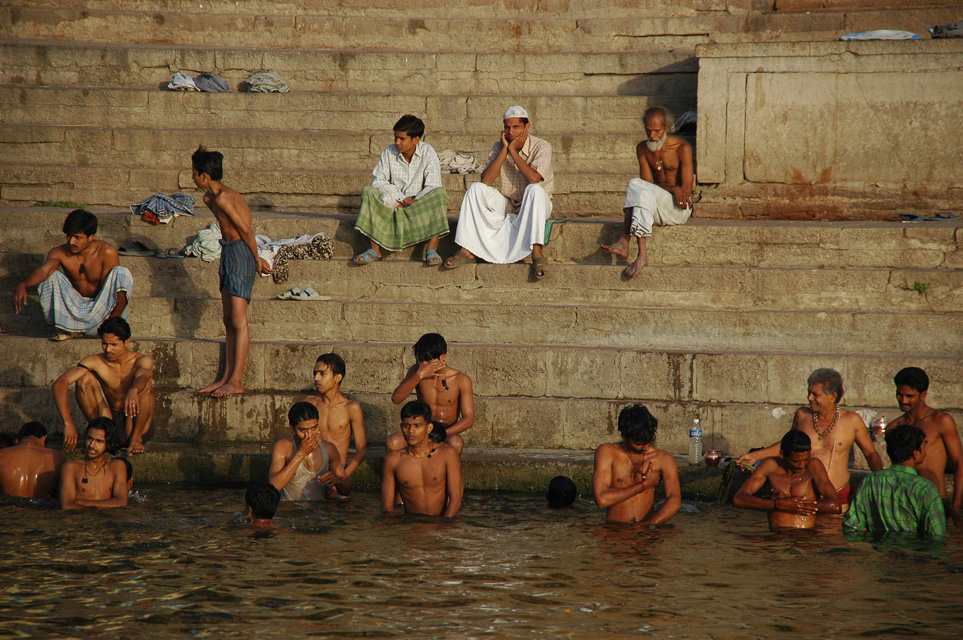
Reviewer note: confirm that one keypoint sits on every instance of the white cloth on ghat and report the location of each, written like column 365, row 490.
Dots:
column 489, row 233
column 206, row 245
column 651, row 204
column 65, row 308
column 268, row 249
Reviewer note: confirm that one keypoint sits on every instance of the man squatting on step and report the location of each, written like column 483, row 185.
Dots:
column 662, row 194
column 81, row 283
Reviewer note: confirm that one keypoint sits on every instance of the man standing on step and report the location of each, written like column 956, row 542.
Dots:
column 239, row 264
column 81, row 283
column 406, row 203
column 505, row 225
column 662, row 194
column 942, row 438
column 832, row 431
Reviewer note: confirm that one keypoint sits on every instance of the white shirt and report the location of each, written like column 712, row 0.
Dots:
column 397, row 179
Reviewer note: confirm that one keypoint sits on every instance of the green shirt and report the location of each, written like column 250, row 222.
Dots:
column 897, row 499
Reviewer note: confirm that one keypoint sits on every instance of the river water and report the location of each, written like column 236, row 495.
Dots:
column 183, row 565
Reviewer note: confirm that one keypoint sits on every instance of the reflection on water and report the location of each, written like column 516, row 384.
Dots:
column 183, row 565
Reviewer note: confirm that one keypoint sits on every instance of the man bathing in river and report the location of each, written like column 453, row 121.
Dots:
column 662, row 194
column 307, row 467
column 30, row 469
column 799, row 486
column 97, row 480
column 447, row 391
column 832, row 431
column 425, row 474
column 627, row 473
column 942, row 438
column 116, row 384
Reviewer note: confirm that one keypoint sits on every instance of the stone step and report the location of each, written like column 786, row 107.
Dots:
column 505, row 372
column 563, row 323
column 753, row 244
column 160, row 109
column 327, row 71
column 690, row 287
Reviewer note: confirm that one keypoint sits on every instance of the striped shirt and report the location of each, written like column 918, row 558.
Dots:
column 537, row 153
column 398, row 179
column 897, row 499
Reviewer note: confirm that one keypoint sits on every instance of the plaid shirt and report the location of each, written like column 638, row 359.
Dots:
column 398, row 179
column 538, row 154
column 897, row 499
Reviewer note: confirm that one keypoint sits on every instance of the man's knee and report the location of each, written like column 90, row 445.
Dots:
column 395, row 442
column 456, row 441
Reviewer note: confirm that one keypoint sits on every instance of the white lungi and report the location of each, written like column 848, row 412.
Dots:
column 651, row 204
column 66, row 309
column 487, row 231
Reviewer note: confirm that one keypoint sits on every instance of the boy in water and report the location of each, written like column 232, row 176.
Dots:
column 447, row 391
column 426, row 475
column 339, row 419
column 97, row 481
column 799, row 486
column 239, row 264
column 305, row 467
column 262, row 503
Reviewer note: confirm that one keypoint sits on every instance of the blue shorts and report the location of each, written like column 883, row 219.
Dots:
column 238, row 269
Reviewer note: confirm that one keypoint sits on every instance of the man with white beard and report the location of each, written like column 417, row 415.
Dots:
column 662, row 194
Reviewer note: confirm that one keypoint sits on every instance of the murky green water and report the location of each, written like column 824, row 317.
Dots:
column 180, row 566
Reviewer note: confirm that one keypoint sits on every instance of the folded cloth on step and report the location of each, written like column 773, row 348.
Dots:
column 164, row 207
column 881, row 34
column 454, row 162
column 182, row 82
column 206, row 245
column 951, row 30
column 265, row 82
column 306, row 247
column 211, row 83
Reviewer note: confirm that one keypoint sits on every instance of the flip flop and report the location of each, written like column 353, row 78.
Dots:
column 457, row 259
column 946, row 215
column 540, row 264
column 169, row 253
column 310, row 294
column 136, row 248
column 61, row 336
column 367, row 257
column 431, row 257
column 290, row 293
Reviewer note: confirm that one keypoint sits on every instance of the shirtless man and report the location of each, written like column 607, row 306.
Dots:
column 662, row 194
column 116, row 384
column 97, row 481
column 30, row 469
column 81, row 281
column 627, row 473
column 832, row 430
column 447, row 391
column 305, row 467
column 942, row 438
column 799, row 486
column 239, row 264
column 425, row 474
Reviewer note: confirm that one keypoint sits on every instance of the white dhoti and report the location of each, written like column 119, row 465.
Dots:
column 651, row 204
column 66, row 309
column 487, row 231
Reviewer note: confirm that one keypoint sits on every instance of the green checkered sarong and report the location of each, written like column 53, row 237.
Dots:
column 395, row 229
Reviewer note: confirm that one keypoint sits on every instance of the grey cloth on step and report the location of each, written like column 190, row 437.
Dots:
column 951, row 30
column 265, row 82
column 211, row 83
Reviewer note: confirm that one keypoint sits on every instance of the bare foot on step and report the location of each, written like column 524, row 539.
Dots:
column 228, row 389
column 619, row 249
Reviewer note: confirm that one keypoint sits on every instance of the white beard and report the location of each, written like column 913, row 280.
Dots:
column 656, row 145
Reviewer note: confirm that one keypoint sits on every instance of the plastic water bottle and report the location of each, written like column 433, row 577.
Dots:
column 695, row 443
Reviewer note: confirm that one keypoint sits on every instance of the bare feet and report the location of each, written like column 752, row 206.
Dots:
column 206, row 391
column 228, row 389
column 620, row 249
column 635, row 268
column 135, row 447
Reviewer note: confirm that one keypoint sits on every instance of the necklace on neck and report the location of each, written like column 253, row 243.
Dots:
column 823, row 434
column 96, row 473
column 432, row 451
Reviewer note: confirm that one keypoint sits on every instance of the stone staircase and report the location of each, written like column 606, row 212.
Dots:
column 725, row 324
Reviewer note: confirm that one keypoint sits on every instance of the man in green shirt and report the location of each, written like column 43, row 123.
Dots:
column 898, row 499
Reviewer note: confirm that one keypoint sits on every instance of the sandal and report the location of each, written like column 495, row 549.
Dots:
column 457, row 259
column 136, row 248
column 367, row 257
column 431, row 257
column 541, row 267
column 60, row 336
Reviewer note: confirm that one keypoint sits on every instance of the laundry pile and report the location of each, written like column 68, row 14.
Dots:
column 259, row 82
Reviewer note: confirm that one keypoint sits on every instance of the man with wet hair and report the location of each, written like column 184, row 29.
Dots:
column 262, row 503
column 662, row 194
column 81, row 283
column 307, row 467
column 117, row 384
column 832, row 431
column 898, row 499
column 240, row 263
column 426, row 475
column 97, row 480
column 29, row 469
column 561, row 493
column 798, row 486
column 942, row 437
column 406, row 202
column 506, row 224
column 446, row 390
column 627, row 472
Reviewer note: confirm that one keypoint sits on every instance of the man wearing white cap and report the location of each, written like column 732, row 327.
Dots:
column 505, row 225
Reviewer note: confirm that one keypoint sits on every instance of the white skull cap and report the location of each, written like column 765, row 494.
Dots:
column 515, row 112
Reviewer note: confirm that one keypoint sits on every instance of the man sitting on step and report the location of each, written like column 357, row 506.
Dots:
column 505, row 225
column 81, row 283
column 662, row 194
column 406, row 203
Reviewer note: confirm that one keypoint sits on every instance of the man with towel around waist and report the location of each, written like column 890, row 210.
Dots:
column 505, row 225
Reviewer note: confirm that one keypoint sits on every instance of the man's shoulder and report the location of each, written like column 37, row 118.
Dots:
column 71, row 467
column 447, row 452
column 285, row 445
column 678, row 142
column 852, row 419
column 104, row 248
column 609, row 449
column 539, row 143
